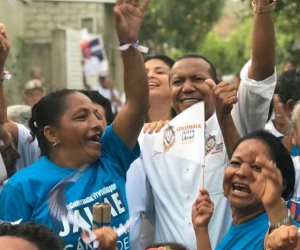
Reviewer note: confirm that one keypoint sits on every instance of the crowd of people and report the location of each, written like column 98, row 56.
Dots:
column 67, row 150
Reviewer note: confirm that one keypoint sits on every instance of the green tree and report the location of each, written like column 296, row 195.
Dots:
column 172, row 25
column 287, row 19
column 231, row 53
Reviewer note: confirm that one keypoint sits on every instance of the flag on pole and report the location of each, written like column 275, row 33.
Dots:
column 183, row 136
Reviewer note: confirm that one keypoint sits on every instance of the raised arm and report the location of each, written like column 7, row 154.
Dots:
column 263, row 42
column 258, row 78
column 4, row 50
column 130, row 119
column 225, row 96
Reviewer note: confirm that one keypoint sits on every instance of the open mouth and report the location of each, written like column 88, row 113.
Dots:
column 240, row 188
column 191, row 100
column 95, row 138
column 154, row 84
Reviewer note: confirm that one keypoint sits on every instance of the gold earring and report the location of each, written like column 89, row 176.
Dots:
column 54, row 144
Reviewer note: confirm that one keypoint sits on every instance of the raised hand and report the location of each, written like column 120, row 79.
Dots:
column 225, row 96
column 267, row 185
column 202, row 210
column 106, row 236
column 283, row 238
column 4, row 46
column 154, row 126
column 129, row 19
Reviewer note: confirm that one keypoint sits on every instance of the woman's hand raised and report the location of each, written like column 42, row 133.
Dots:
column 129, row 19
column 202, row 210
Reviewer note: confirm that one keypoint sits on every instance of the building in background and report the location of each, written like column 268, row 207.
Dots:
column 51, row 30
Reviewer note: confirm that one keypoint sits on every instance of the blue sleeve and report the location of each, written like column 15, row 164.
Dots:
column 114, row 149
column 13, row 205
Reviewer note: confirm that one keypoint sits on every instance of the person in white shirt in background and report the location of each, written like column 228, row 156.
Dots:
column 288, row 89
column 174, row 181
column 18, row 135
column 141, row 230
column 106, row 89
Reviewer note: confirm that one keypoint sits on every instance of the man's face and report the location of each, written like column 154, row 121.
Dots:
column 8, row 151
column 33, row 96
column 106, row 83
column 86, row 52
column 188, row 85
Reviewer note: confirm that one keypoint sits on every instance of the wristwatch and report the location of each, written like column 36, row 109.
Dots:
column 263, row 9
column 286, row 221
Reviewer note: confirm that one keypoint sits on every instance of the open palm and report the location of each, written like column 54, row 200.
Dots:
column 267, row 187
column 129, row 19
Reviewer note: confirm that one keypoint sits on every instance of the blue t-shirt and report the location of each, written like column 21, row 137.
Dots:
column 295, row 149
column 25, row 196
column 249, row 235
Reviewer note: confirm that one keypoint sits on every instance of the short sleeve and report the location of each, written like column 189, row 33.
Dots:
column 116, row 150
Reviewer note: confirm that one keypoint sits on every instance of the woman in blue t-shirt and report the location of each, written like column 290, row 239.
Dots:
column 259, row 179
column 71, row 137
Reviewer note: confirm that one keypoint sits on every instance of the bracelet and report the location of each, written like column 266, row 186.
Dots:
column 136, row 45
column 286, row 220
column 263, row 9
column 6, row 75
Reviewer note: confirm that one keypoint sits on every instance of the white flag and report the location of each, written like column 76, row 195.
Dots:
column 183, row 136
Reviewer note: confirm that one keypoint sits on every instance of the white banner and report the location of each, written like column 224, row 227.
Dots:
column 183, row 136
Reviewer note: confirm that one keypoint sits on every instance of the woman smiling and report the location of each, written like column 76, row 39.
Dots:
column 68, row 128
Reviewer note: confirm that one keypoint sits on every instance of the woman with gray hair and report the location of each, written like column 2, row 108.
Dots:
column 19, row 114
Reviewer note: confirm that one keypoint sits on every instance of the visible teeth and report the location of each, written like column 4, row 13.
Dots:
column 189, row 100
column 95, row 138
column 153, row 84
column 241, row 188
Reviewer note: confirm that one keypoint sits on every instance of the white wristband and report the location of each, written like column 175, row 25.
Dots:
column 136, row 45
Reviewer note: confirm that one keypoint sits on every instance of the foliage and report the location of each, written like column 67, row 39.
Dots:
column 287, row 21
column 172, row 25
column 16, row 64
column 231, row 53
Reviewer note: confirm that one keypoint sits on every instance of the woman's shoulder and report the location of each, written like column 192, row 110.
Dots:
column 42, row 171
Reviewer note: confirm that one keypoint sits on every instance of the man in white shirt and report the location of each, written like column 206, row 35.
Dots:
column 106, row 89
column 175, row 181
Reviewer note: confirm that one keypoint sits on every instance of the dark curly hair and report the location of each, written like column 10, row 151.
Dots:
column 39, row 235
column 169, row 245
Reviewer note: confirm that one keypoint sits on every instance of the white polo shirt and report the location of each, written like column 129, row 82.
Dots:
column 175, row 182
